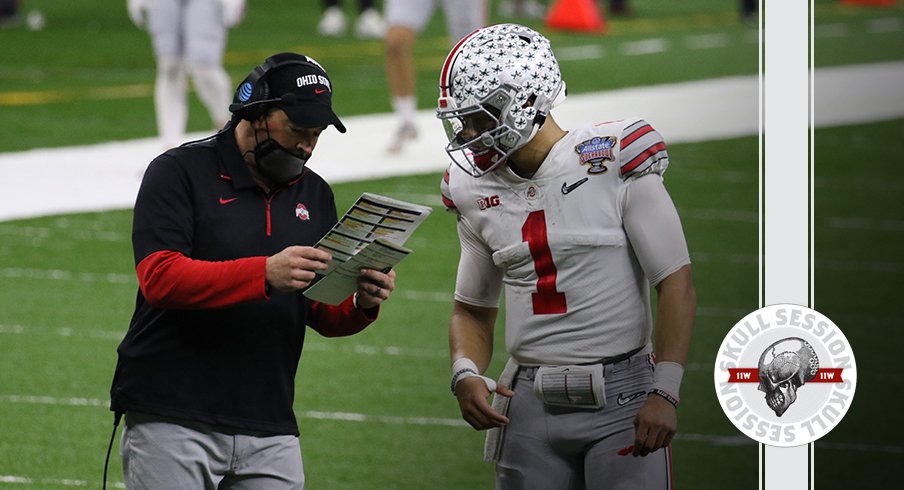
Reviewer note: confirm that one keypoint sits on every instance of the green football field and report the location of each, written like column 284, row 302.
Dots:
column 374, row 409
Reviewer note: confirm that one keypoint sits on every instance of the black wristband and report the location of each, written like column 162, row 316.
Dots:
column 671, row 399
column 458, row 375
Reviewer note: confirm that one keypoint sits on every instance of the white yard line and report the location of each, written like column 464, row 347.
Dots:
column 54, row 482
column 713, row 439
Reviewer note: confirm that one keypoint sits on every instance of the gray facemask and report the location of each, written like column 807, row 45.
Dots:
column 277, row 164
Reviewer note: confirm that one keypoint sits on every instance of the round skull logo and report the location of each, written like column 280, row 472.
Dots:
column 784, row 367
column 785, row 375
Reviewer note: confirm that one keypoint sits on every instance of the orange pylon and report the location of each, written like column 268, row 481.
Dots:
column 576, row 15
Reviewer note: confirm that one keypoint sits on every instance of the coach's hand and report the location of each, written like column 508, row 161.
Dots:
column 294, row 267
column 654, row 425
column 472, row 394
column 374, row 287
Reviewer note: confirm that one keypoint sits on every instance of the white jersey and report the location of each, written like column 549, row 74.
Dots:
column 575, row 290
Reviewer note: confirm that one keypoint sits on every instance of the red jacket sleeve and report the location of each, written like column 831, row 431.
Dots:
column 340, row 320
column 168, row 279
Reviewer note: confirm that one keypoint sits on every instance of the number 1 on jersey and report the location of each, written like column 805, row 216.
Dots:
column 547, row 300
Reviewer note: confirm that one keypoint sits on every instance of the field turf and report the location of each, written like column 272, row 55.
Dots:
column 374, row 409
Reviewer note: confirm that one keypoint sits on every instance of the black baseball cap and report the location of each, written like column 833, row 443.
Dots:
column 306, row 93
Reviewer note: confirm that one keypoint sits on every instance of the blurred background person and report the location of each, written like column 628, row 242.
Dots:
column 406, row 20
column 370, row 24
column 532, row 9
column 748, row 10
column 189, row 39
column 619, row 7
column 9, row 13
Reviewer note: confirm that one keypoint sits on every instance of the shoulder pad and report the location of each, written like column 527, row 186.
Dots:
column 641, row 150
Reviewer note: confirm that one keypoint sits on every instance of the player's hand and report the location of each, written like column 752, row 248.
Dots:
column 294, row 267
column 472, row 394
column 654, row 425
column 137, row 12
column 374, row 287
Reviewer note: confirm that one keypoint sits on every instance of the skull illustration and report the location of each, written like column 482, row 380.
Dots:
column 784, row 367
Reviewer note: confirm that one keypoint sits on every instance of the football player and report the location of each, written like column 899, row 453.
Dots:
column 406, row 19
column 577, row 227
column 189, row 38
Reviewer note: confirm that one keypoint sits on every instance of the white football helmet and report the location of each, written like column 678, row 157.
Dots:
column 496, row 88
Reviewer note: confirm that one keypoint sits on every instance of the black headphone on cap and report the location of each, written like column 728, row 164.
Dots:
column 252, row 98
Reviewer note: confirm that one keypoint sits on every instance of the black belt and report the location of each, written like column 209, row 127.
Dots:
column 619, row 358
column 604, row 361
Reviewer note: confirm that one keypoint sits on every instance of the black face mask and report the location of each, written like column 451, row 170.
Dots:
column 277, row 164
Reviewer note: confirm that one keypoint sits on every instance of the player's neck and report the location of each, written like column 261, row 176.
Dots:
column 527, row 160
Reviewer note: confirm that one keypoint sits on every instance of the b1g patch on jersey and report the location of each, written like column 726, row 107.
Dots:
column 302, row 213
column 785, row 375
column 485, row 203
column 595, row 152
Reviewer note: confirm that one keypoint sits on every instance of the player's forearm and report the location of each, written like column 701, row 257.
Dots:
column 677, row 307
column 471, row 334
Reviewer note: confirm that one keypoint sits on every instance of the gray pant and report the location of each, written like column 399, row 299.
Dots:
column 189, row 29
column 161, row 453
column 563, row 448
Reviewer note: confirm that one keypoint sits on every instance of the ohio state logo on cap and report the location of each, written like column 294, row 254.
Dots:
column 785, row 375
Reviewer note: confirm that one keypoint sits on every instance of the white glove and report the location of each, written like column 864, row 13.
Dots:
column 233, row 12
column 138, row 12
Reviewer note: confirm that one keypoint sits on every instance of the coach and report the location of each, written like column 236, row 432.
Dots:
column 222, row 234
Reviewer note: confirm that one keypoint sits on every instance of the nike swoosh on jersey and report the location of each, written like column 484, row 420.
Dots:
column 227, row 201
column 623, row 400
column 320, row 91
column 568, row 188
